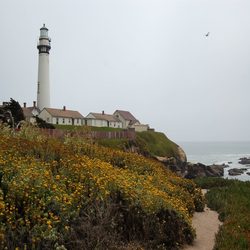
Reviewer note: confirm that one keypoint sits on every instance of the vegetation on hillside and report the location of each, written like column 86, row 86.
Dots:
column 231, row 198
column 157, row 143
column 68, row 194
column 90, row 128
column 148, row 143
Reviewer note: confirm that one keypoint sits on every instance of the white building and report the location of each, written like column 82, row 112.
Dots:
column 140, row 127
column 126, row 118
column 62, row 116
column 103, row 120
column 30, row 113
column 129, row 121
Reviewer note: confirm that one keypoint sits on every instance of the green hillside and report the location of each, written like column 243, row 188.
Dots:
column 157, row 143
column 147, row 143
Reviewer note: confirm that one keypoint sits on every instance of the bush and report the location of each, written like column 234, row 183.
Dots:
column 107, row 224
column 231, row 198
column 53, row 191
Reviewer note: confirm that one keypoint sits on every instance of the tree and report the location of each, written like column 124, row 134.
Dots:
column 43, row 124
column 13, row 112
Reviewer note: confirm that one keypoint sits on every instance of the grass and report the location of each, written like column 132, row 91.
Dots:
column 157, row 143
column 105, row 129
column 67, row 127
column 148, row 143
column 74, row 127
column 114, row 143
column 231, row 198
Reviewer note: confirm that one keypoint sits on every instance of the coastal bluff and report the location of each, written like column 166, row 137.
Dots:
column 160, row 147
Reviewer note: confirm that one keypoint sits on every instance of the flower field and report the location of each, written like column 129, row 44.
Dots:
column 69, row 194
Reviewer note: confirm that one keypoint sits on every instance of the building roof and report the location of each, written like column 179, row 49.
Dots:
column 27, row 112
column 126, row 115
column 106, row 117
column 64, row 113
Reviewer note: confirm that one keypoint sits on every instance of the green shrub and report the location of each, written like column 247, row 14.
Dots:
column 231, row 198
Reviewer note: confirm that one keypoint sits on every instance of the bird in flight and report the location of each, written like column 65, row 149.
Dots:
column 207, row 34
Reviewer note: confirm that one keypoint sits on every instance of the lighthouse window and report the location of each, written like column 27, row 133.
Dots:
column 43, row 32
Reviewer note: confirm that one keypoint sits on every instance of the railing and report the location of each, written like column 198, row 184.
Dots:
column 123, row 134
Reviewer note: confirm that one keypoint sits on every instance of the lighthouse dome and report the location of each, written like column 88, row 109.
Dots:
column 44, row 28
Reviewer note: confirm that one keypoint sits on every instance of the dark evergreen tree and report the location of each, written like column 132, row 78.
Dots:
column 43, row 124
column 11, row 113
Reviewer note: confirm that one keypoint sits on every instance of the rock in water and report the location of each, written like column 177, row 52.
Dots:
column 191, row 170
column 244, row 160
column 236, row 171
column 201, row 170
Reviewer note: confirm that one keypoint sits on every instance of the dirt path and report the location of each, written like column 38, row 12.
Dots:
column 206, row 225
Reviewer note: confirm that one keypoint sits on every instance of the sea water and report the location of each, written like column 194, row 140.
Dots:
column 210, row 153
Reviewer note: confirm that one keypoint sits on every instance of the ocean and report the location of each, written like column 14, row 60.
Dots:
column 210, row 153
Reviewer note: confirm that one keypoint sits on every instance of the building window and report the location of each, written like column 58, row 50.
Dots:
column 63, row 120
column 57, row 120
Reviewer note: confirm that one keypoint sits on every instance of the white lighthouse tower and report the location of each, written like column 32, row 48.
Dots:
column 43, row 85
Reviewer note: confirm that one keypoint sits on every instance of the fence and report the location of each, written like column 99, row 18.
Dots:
column 123, row 134
column 128, row 134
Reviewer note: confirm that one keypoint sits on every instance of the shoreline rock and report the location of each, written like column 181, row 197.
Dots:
column 244, row 161
column 201, row 170
column 192, row 170
column 236, row 171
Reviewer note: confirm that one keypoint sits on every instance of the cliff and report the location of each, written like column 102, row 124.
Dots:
column 157, row 144
column 148, row 143
column 173, row 156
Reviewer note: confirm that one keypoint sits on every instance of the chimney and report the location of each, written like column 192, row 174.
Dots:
column 24, row 104
column 103, row 112
column 64, row 108
column 34, row 104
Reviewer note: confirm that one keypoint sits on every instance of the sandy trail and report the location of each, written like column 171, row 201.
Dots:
column 206, row 225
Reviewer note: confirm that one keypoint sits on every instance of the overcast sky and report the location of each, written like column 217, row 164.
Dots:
column 150, row 57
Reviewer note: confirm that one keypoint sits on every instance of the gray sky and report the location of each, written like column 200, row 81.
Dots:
column 150, row 57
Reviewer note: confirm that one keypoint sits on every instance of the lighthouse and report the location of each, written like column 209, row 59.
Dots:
column 43, row 84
